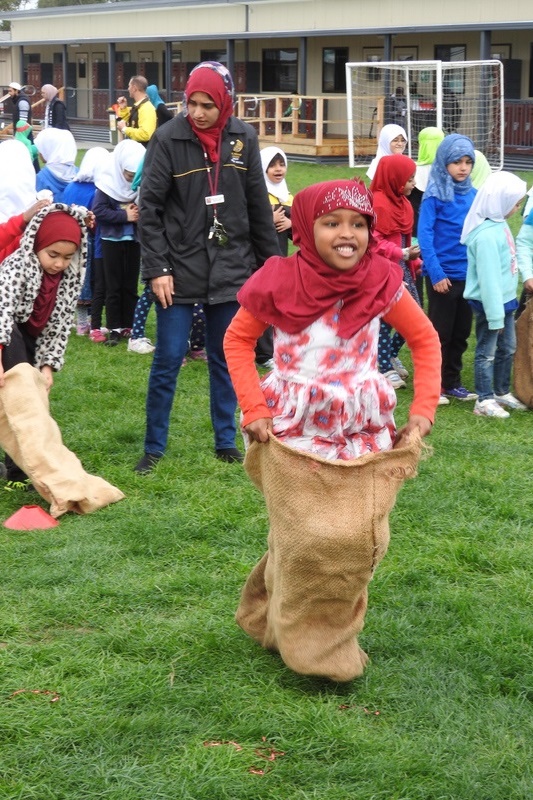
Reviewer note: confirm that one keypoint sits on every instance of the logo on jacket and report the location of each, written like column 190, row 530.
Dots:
column 236, row 153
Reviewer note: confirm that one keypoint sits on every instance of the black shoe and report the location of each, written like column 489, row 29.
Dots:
column 147, row 463
column 113, row 339
column 229, row 454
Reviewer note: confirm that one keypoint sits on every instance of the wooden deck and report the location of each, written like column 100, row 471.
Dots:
column 331, row 147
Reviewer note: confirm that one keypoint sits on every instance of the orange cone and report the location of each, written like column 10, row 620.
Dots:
column 30, row 518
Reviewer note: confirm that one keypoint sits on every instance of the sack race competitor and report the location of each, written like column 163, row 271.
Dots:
column 523, row 357
column 329, row 529
column 33, row 440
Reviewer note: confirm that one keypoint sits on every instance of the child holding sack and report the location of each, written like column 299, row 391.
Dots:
column 39, row 285
column 321, row 426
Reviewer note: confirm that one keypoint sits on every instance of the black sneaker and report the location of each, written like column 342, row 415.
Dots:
column 229, row 454
column 113, row 339
column 147, row 463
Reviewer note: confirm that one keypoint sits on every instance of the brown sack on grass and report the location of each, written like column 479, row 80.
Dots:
column 33, row 440
column 523, row 357
column 329, row 529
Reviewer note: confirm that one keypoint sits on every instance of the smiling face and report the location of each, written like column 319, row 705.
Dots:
column 398, row 145
column 56, row 257
column 202, row 110
column 460, row 169
column 341, row 238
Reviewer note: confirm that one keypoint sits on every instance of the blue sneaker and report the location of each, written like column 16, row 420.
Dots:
column 459, row 393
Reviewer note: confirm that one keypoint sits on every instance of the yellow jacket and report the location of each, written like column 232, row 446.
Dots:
column 143, row 118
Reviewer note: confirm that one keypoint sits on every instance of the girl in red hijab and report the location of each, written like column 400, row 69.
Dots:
column 325, row 394
column 39, row 285
column 391, row 186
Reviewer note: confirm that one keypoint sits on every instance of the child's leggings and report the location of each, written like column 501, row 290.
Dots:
column 197, row 337
column 141, row 314
column 389, row 342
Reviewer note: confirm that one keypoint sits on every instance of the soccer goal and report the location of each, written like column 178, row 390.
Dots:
column 458, row 96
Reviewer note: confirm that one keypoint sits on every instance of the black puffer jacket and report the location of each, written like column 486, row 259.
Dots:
column 175, row 220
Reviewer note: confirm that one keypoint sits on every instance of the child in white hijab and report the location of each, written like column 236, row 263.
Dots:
column 117, row 213
column 491, row 288
column 392, row 140
column 57, row 148
column 274, row 163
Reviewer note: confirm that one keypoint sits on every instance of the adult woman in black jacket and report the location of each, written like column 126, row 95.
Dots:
column 205, row 225
column 55, row 112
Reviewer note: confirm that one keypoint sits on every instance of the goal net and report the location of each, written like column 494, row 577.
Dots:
column 458, row 96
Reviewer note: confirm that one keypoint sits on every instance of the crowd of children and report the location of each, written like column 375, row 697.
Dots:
column 328, row 320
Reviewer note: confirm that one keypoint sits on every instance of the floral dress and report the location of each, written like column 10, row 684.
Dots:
column 326, row 394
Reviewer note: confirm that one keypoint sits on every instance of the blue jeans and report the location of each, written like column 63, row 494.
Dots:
column 173, row 329
column 494, row 356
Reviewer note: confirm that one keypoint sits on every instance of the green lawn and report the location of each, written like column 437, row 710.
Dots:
column 126, row 618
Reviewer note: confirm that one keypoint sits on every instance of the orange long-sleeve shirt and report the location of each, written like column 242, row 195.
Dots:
column 405, row 316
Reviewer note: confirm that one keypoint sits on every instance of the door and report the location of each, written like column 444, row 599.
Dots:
column 82, row 85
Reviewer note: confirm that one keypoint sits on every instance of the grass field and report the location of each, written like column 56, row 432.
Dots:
column 123, row 675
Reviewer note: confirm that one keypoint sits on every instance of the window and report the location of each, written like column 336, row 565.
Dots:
column 214, row 55
column 280, row 70
column 450, row 52
column 334, row 60
column 453, row 81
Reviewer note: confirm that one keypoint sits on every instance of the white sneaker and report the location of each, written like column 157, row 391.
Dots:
column 510, row 401
column 397, row 365
column 443, row 400
column 142, row 346
column 490, row 408
column 394, row 379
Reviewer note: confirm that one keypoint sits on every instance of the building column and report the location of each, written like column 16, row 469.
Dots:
column 111, row 50
column 485, row 45
column 302, row 66
column 167, row 78
column 230, row 56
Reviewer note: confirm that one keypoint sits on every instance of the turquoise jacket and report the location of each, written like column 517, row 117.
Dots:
column 492, row 273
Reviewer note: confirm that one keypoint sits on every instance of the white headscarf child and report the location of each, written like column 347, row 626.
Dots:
column 386, row 135
column 95, row 160
column 17, row 185
column 58, row 148
column 279, row 190
column 127, row 155
column 496, row 198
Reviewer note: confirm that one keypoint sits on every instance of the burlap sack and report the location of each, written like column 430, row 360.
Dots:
column 33, row 440
column 329, row 529
column 523, row 357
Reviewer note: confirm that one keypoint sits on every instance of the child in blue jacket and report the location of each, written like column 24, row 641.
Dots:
column 447, row 200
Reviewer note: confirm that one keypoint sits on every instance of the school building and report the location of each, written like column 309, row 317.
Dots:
column 274, row 49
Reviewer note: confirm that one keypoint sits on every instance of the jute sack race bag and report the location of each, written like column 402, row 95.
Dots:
column 329, row 529
column 33, row 440
column 523, row 357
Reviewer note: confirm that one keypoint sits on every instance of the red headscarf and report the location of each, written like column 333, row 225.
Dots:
column 293, row 292
column 57, row 226
column 213, row 79
column 393, row 210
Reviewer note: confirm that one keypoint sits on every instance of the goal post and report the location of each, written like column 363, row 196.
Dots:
column 458, row 96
